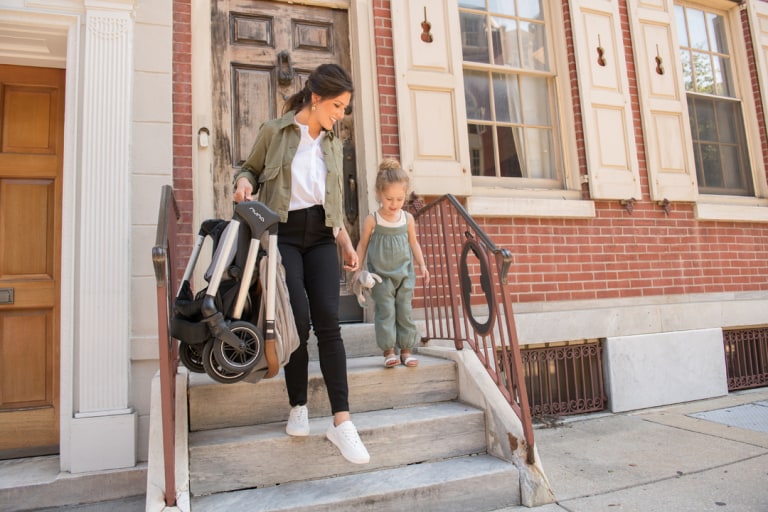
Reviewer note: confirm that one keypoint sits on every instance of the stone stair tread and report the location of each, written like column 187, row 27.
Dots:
column 477, row 483
column 365, row 421
column 214, row 405
column 254, row 456
column 354, row 364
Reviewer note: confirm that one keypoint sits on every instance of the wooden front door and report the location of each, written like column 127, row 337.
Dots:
column 263, row 51
column 31, row 140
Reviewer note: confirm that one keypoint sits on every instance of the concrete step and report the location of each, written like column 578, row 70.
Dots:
column 371, row 386
column 478, row 483
column 263, row 455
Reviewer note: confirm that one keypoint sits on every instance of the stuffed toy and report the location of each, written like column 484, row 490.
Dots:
column 361, row 286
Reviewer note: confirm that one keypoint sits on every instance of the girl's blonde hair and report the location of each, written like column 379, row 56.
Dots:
column 390, row 172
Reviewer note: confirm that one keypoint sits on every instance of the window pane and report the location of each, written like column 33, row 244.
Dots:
column 705, row 120
column 541, row 162
column 685, row 60
column 530, row 9
column 481, row 150
column 506, row 49
column 534, row 47
column 506, row 95
column 474, row 45
column 724, row 85
column 511, row 146
column 729, row 157
column 718, row 41
column 697, row 29
column 477, row 95
column 472, row 4
column 682, row 28
column 725, row 122
column 710, row 156
column 702, row 72
column 536, row 105
column 504, row 6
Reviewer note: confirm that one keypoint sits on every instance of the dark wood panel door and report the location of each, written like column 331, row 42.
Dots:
column 262, row 53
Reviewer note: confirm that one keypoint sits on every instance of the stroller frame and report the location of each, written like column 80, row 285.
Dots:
column 232, row 347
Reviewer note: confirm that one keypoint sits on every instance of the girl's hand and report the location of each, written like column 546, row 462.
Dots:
column 243, row 190
column 424, row 274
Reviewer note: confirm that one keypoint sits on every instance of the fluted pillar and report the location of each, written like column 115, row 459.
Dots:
column 104, row 424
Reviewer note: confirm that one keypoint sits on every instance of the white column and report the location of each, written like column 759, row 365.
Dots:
column 104, row 425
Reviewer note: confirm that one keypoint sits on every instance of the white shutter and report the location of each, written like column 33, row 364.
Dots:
column 758, row 20
column 605, row 100
column 663, row 106
column 430, row 97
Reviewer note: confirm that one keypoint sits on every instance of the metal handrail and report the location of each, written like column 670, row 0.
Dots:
column 162, row 259
column 467, row 299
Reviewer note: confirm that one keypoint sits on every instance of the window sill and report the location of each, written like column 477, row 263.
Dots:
column 568, row 204
column 742, row 210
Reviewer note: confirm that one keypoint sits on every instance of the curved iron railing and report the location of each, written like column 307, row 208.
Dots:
column 163, row 259
column 467, row 299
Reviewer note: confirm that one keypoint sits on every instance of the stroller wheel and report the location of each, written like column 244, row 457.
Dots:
column 215, row 370
column 245, row 357
column 191, row 356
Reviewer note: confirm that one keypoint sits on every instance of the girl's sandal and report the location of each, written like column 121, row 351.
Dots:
column 390, row 360
column 408, row 360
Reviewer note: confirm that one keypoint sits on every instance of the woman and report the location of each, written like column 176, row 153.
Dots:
column 296, row 162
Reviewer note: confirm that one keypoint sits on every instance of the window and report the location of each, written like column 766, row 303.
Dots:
column 509, row 85
column 714, row 105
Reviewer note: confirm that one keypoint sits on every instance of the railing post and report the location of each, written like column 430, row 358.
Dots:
column 453, row 282
column 162, row 258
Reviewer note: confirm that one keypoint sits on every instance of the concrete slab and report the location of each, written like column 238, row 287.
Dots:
column 595, row 457
column 651, row 370
column 741, row 487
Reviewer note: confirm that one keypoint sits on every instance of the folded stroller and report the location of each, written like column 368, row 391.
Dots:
column 233, row 329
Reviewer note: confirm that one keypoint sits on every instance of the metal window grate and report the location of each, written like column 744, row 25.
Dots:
column 746, row 357
column 564, row 378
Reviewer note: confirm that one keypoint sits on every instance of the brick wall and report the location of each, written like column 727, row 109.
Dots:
column 182, row 130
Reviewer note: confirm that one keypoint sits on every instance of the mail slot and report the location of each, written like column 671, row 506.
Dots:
column 6, row 295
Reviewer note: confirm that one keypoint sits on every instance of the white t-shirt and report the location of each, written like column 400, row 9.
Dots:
column 308, row 172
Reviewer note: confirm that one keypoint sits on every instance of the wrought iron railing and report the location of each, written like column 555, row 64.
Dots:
column 746, row 357
column 564, row 378
column 467, row 299
column 163, row 260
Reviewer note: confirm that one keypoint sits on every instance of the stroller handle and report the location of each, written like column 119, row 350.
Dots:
column 258, row 217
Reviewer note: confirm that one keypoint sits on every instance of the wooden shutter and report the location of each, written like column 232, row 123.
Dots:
column 663, row 106
column 430, row 97
column 605, row 100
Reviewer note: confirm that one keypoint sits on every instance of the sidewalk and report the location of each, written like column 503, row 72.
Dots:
column 709, row 455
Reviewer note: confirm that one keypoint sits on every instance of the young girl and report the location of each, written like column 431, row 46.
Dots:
column 388, row 242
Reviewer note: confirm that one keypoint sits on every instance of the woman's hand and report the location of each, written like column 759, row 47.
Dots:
column 243, row 190
column 351, row 260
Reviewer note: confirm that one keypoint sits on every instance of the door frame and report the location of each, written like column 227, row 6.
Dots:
column 365, row 113
column 66, row 26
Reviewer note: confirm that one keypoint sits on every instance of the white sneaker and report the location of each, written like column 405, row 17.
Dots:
column 298, row 422
column 348, row 442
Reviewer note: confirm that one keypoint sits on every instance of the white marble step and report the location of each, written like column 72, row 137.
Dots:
column 263, row 455
column 477, row 483
column 371, row 386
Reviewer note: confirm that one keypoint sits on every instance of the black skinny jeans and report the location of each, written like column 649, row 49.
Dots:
column 309, row 255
